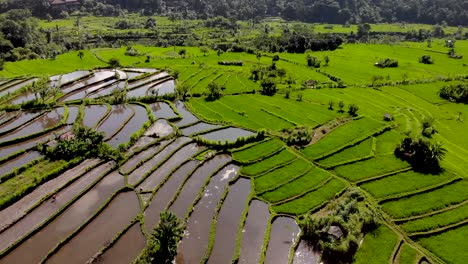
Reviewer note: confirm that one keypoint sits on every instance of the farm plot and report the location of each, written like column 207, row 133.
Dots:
column 360, row 151
column 282, row 157
column 93, row 114
column 257, row 151
column 198, row 128
column 133, row 125
column 311, row 180
column 407, row 255
column 230, row 134
column 377, row 246
column 428, row 201
column 405, row 182
column 342, row 136
column 311, row 200
column 116, row 119
column 18, row 162
column 284, row 233
column 280, row 176
column 373, row 167
column 162, row 110
column 449, row 245
column 438, row 220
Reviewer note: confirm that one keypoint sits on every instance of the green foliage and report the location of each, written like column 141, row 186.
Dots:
column 230, row 63
column 426, row 59
column 268, row 86
column 421, row 154
column 214, row 91
column 379, row 165
column 114, row 63
column 350, row 217
column 313, row 61
column 182, row 90
column 162, row 245
column 361, row 150
column 352, row 109
column 387, row 63
column 281, row 175
column 455, row 92
column 42, row 89
column 297, row 136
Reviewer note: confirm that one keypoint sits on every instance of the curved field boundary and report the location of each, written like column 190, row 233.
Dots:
column 378, row 177
column 18, row 170
column 345, row 162
column 45, row 131
column 62, row 122
column 262, row 158
column 8, row 120
column 321, row 184
column 29, row 121
column 54, row 216
column 85, row 223
column 126, row 169
column 266, row 239
column 402, row 220
column 155, row 167
column 209, row 130
column 396, row 252
column 438, row 230
column 277, row 147
column 271, row 163
column 279, row 166
column 419, row 191
column 374, row 133
column 280, row 117
column 123, row 124
column 33, row 203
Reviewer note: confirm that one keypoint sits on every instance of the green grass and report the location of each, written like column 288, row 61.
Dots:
column 404, row 182
column 372, row 167
column 387, row 142
column 361, row 150
column 281, row 175
column 257, row 151
column 18, row 185
column 268, row 163
column 312, row 199
column 341, row 136
column 450, row 245
column 408, row 255
column 428, row 201
column 377, row 246
column 438, row 220
column 300, row 185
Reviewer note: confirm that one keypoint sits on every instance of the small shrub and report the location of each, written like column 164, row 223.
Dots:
column 426, row 59
column 268, row 86
column 387, row 63
column 352, row 109
column 230, row 63
column 214, row 90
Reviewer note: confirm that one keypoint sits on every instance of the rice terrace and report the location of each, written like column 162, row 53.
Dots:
column 190, row 140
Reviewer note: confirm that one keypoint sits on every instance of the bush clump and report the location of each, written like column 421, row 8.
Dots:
column 426, row 59
column 387, row 63
column 231, row 63
column 339, row 227
column 423, row 155
column 298, row 136
column 455, row 93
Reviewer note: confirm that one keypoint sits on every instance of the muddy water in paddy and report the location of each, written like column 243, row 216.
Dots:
column 228, row 222
column 16, row 87
column 116, row 118
column 148, row 81
column 284, row 232
column 305, row 254
column 138, row 174
column 47, row 208
column 194, row 184
column 78, row 95
column 68, row 77
column 229, row 134
column 93, row 113
column 197, row 128
column 254, row 232
column 132, row 75
column 162, row 110
column 161, row 128
column 7, row 151
column 140, row 143
column 195, row 242
column 45, row 121
column 131, row 163
column 37, row 246
column 187, row 117
column 25, row 97
column 165, row 194
column 107, row 90
column 155, row 178
column 167, row 87
column 115, row 217
column 126, row 249
column 7, row 117
column 72, row 114
column 137, row 121
column 19, row 161
column 19, row 120
column 95, row 78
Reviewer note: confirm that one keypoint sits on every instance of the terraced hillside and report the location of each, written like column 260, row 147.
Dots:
column 227, row 167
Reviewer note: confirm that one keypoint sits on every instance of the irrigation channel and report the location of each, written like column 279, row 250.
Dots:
column 101, row 211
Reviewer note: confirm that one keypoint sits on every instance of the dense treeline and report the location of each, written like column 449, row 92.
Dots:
column 452, row 12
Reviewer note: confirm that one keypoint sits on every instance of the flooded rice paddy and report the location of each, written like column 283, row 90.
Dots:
column 284, row 233
column 230, row 134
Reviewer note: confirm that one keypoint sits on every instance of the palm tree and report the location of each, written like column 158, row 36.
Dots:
column 162, row 247
column 438, row 151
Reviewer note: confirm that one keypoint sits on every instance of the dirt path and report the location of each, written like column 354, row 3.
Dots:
column 17, row 210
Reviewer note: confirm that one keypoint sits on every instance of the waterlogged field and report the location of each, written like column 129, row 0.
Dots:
column 248, row 198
